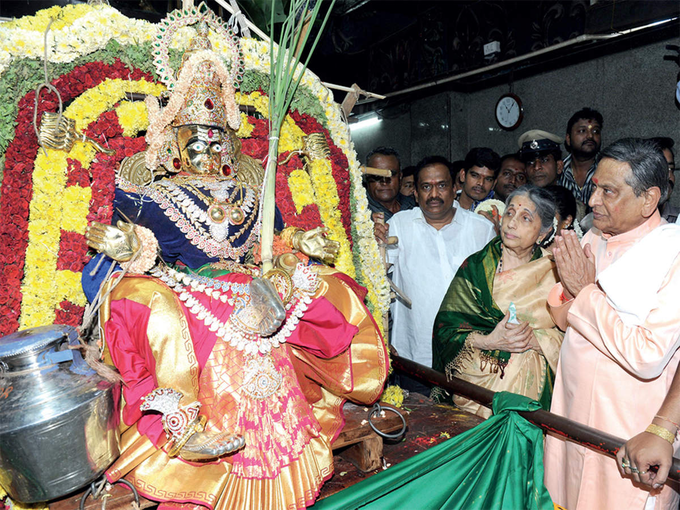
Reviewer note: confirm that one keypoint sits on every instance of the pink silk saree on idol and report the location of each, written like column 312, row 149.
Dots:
column 335, row 353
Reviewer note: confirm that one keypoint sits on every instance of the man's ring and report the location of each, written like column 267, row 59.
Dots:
column 625, row 463
column 635, row 471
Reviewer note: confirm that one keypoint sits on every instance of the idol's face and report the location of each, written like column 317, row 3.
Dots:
column 200, row 149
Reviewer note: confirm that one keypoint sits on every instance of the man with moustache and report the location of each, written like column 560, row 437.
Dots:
column 383, row 192
column 434, row 240
column 511, row 176
column 618, row 302
column 479, row 177
column 583, row 141
column 541, row 154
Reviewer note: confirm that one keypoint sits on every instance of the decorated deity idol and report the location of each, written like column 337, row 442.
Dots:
column 234, row 380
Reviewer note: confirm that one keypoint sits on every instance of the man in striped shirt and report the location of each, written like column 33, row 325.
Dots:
column 583, row 141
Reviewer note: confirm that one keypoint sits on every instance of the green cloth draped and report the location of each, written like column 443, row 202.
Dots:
column 469, row 306
column 497, row 464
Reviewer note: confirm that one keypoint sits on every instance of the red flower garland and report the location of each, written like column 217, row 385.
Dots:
column 257, row 146
column 17, row 186
column 339, row 165
column 17, row 191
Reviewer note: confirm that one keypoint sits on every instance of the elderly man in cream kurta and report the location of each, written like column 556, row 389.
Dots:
column 619, row 300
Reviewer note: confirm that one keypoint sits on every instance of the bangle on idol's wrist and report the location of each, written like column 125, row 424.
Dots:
column 145, row 257
column 295, row 239
column 289, row 234
column 196, row 426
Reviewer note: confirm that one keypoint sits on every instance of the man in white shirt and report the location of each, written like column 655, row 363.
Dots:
column 434, row 240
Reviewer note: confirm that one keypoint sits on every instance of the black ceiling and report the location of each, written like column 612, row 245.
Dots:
column 390, row 45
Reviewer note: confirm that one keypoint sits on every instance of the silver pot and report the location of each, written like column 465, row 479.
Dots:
column 58, row 425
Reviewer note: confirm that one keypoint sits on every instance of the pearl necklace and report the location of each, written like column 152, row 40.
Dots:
column 198, row 227
column 234, row 330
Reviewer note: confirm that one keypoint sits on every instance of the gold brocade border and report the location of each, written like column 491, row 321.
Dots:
column 297, row 486
column 167, row 312
column 371, row 375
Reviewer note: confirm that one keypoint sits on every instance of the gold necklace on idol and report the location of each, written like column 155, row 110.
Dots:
column 221, row 203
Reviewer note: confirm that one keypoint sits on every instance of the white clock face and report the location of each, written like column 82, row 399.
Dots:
column 508, row 112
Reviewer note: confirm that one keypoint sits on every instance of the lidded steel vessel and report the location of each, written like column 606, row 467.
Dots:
column 58, row 421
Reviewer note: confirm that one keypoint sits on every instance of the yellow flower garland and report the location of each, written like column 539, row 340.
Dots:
column 301, row 189
column 327, row 200
column 256, row 99
column 317, row 187
column 246, row 128
column 60, row 17
column 55, row 206
column 79, row 30
column 133, row 117
column 291, row 137
column 393, row 395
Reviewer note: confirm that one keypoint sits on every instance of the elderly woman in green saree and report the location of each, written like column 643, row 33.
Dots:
column 493, row 328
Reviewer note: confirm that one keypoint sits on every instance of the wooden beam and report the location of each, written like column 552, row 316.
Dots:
column 569, row 429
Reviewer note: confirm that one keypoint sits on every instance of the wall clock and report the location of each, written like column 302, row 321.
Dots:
column 509, row 112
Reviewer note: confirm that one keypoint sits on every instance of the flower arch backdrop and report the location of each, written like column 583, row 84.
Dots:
column 95, row 56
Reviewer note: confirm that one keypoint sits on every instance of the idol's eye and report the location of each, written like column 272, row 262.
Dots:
column 216, row 147
column 198, row 146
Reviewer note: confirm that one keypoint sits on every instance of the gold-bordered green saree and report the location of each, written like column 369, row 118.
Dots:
column 477, row 300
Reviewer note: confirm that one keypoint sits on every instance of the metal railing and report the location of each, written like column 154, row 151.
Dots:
column 574, row 431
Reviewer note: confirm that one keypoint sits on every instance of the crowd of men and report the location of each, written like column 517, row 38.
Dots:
column 430, row 208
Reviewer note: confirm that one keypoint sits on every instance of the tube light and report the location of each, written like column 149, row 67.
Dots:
column 365, row 121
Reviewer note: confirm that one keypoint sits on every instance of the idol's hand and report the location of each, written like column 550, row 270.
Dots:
column 204, row 446
column 575, row 265
column 120, row 243
column 265, row 313
column 315, row 244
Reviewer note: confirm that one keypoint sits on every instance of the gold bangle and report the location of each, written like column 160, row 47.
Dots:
column 661, row 432
column 287, row 235
column 196, row 426
column 295, row 240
